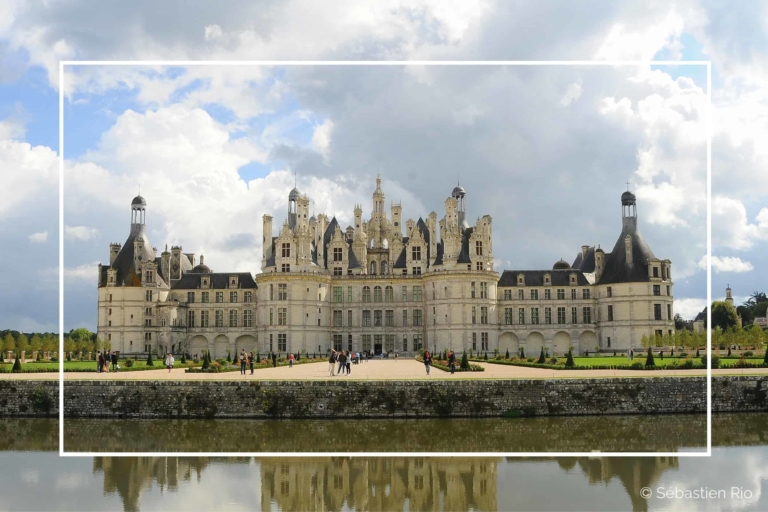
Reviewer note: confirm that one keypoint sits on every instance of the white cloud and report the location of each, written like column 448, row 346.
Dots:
column 635, row 41
column 28, row 172
column 213, row 32
column 688, row 308
column 87, row 272
column 731, row 227
column 726, row 264
column 80, row 232
column 321, row 138
column 571, row 94
column 39, row 238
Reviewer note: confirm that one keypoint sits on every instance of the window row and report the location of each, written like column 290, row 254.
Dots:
column 205, row 297
column 204, row 318
column 534, row 294
column 385, row 294
column 532, row 317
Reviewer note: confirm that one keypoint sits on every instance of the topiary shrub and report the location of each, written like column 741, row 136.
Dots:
column 507, row 355
column 206, row 361
column 16, row 365
column 553, row 360
column 129, row 363
column 229, row 357
column 485, row 356
column 765, row 358
column 715, row 361
column 569, row 363
column 522, row 353
column 150, row 362
column 183, row 358
column 686, row 365
column 649, row 362
column 464, row 365
column 698, row 354
column 542, row 359
column 2, row 360
column 748, row 353
column 637, row 365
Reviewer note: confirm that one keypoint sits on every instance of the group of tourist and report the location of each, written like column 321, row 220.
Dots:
column 103, row 361
column 346, row 359
column 246, row 361
column 451, row 361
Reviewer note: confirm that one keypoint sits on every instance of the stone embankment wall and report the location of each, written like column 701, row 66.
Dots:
column 383, row 399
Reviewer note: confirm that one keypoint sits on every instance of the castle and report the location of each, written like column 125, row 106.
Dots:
column 381, row 286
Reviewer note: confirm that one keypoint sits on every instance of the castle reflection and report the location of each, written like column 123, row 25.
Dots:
column 372, row 483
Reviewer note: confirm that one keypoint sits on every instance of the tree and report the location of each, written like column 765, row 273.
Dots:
column 679, row 322
column 761, row 308
column 464, row 365
column 16, row 365
column 36, row 344
column 645, row 341
column 22, row 344
column 649, row 360
column 69, row 344
column 724, row 315
column 9, row 344
column 522, row 353
column 150, row 362
column 50, row 343
column 542, row 358
column 507, row 355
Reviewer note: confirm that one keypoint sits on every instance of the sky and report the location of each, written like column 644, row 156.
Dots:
column 546, row 151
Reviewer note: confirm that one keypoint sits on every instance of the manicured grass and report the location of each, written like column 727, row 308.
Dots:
column 87, row 366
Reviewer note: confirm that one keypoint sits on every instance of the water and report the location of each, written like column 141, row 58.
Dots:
column 31, row 479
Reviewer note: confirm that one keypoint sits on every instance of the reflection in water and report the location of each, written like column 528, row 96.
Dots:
column 547, row 434
column 387, row 483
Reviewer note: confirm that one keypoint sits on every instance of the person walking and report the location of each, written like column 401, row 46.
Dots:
column 250, row 361
column 169, row 362
column 114, row 361
column 99, row 361
column 274, row 360
column 349, row 363
column 452, row 361
column 427, row 360
column 332, row 362
column 290, row 360
column 243, row 361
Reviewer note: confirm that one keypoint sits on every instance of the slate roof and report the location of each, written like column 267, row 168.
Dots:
column 219, row 280
column 400, row 261
column 464, row 254
column 585, row 263
column 616, row 268
column 127, row 274
column 536, row 277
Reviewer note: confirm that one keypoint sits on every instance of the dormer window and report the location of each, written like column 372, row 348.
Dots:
column 573, row 279
column 233, row 281
column 206, row 282
column 148, row 276
column 416, row 252
column 479, row 248
column 655, row 271
column 520, row 279
column 286, row 250
column 337, row 254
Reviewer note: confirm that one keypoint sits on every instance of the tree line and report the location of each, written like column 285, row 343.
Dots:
column 76, row 340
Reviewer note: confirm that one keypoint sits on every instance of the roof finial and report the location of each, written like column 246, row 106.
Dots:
column 294, row 179
column 627, row 186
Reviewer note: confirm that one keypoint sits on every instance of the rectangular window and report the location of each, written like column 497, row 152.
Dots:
column 521, row 294
column 405, row 317
column 483, row 315
column 248, row 318
column 366, row 318
column 377, row 318
column 655, row 271
column 548, row 316
column 474, row 314
column 282, row 316
column 668, row 291
column 389, row 343
column 656, row 290
column 474, row 341
column 573, row 293
column 337, row 318
column 191, row 318
column 610, row 292
column 484, row 341
column 366, row 342
column 286, row 250
column 472, row 290
column 534, row 315
column 271, row 292
column 233, row 318
column 417, row 317
column 338, row 295
column 389, row 319
column 417, row 342
column 416, row 253
column 282, row 342
column 405, row 294
column 205, row 297
column 232, row 296
column 282, row 291
column 547, row 294
column 479, row 248
column 337, row 340
column 349, row 342
column 338, row 254
column 349, row 294
column 285, row 268
column 669, row 311
column 247, row 297
column 561, row 294
column 417, row 271
column 417, row 293
column 657, row 311
column 483, row 290
column 219, row 297
column 204, row 319
column 270, row 343
column 271, row 316
column 147, row 296
column 405, row 343
column 338, row 271
column 574, row 315
column 219, row 318
column 586, row 313
column 610, row 313
column 521, row 316
column 377, row 339
column 507, row 294
column 561, row 315
column 191, row 297
column 508, row 316
column 585, row 293
column 148, row 322
column 349, row 318
column 377, row 294
column 389, row 294
column 366, row 294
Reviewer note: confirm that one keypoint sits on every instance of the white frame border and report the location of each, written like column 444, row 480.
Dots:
column 277, row 63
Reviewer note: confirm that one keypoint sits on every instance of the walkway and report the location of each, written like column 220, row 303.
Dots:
column 378, row 370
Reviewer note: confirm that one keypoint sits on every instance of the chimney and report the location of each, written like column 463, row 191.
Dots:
column 628, row 249
column 584, row 249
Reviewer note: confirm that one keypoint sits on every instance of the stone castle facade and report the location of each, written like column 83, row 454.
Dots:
column 382, row 285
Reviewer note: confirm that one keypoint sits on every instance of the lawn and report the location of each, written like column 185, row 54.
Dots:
column 84, row 366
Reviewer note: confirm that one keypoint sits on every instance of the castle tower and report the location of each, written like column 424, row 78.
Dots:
column 461, row 206
column 138, row 215
column 378, row 200
column 728, row 296
column 293, row 207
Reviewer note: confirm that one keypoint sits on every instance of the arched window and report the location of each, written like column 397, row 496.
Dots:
column 373, row 268
column 366, row 294
column 377, row 294
column 384, row 269
column 389, row 294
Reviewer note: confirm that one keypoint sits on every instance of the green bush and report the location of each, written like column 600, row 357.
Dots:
column 542, row 359
column 686, row 365
column 183, row 358
column 464, row 365
column 553, row 360
column 637, row 365
column 569, row 363
column 649, row 360
column 150, row 362
column 16, row 365
column 1, row 357
column 530, row 359
column 765, row 358
column 507, row 355
column 715, row 361
column 748, row 353
column 129, row 363
column 522, row 353
column 69, row 356
column 206, row 361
